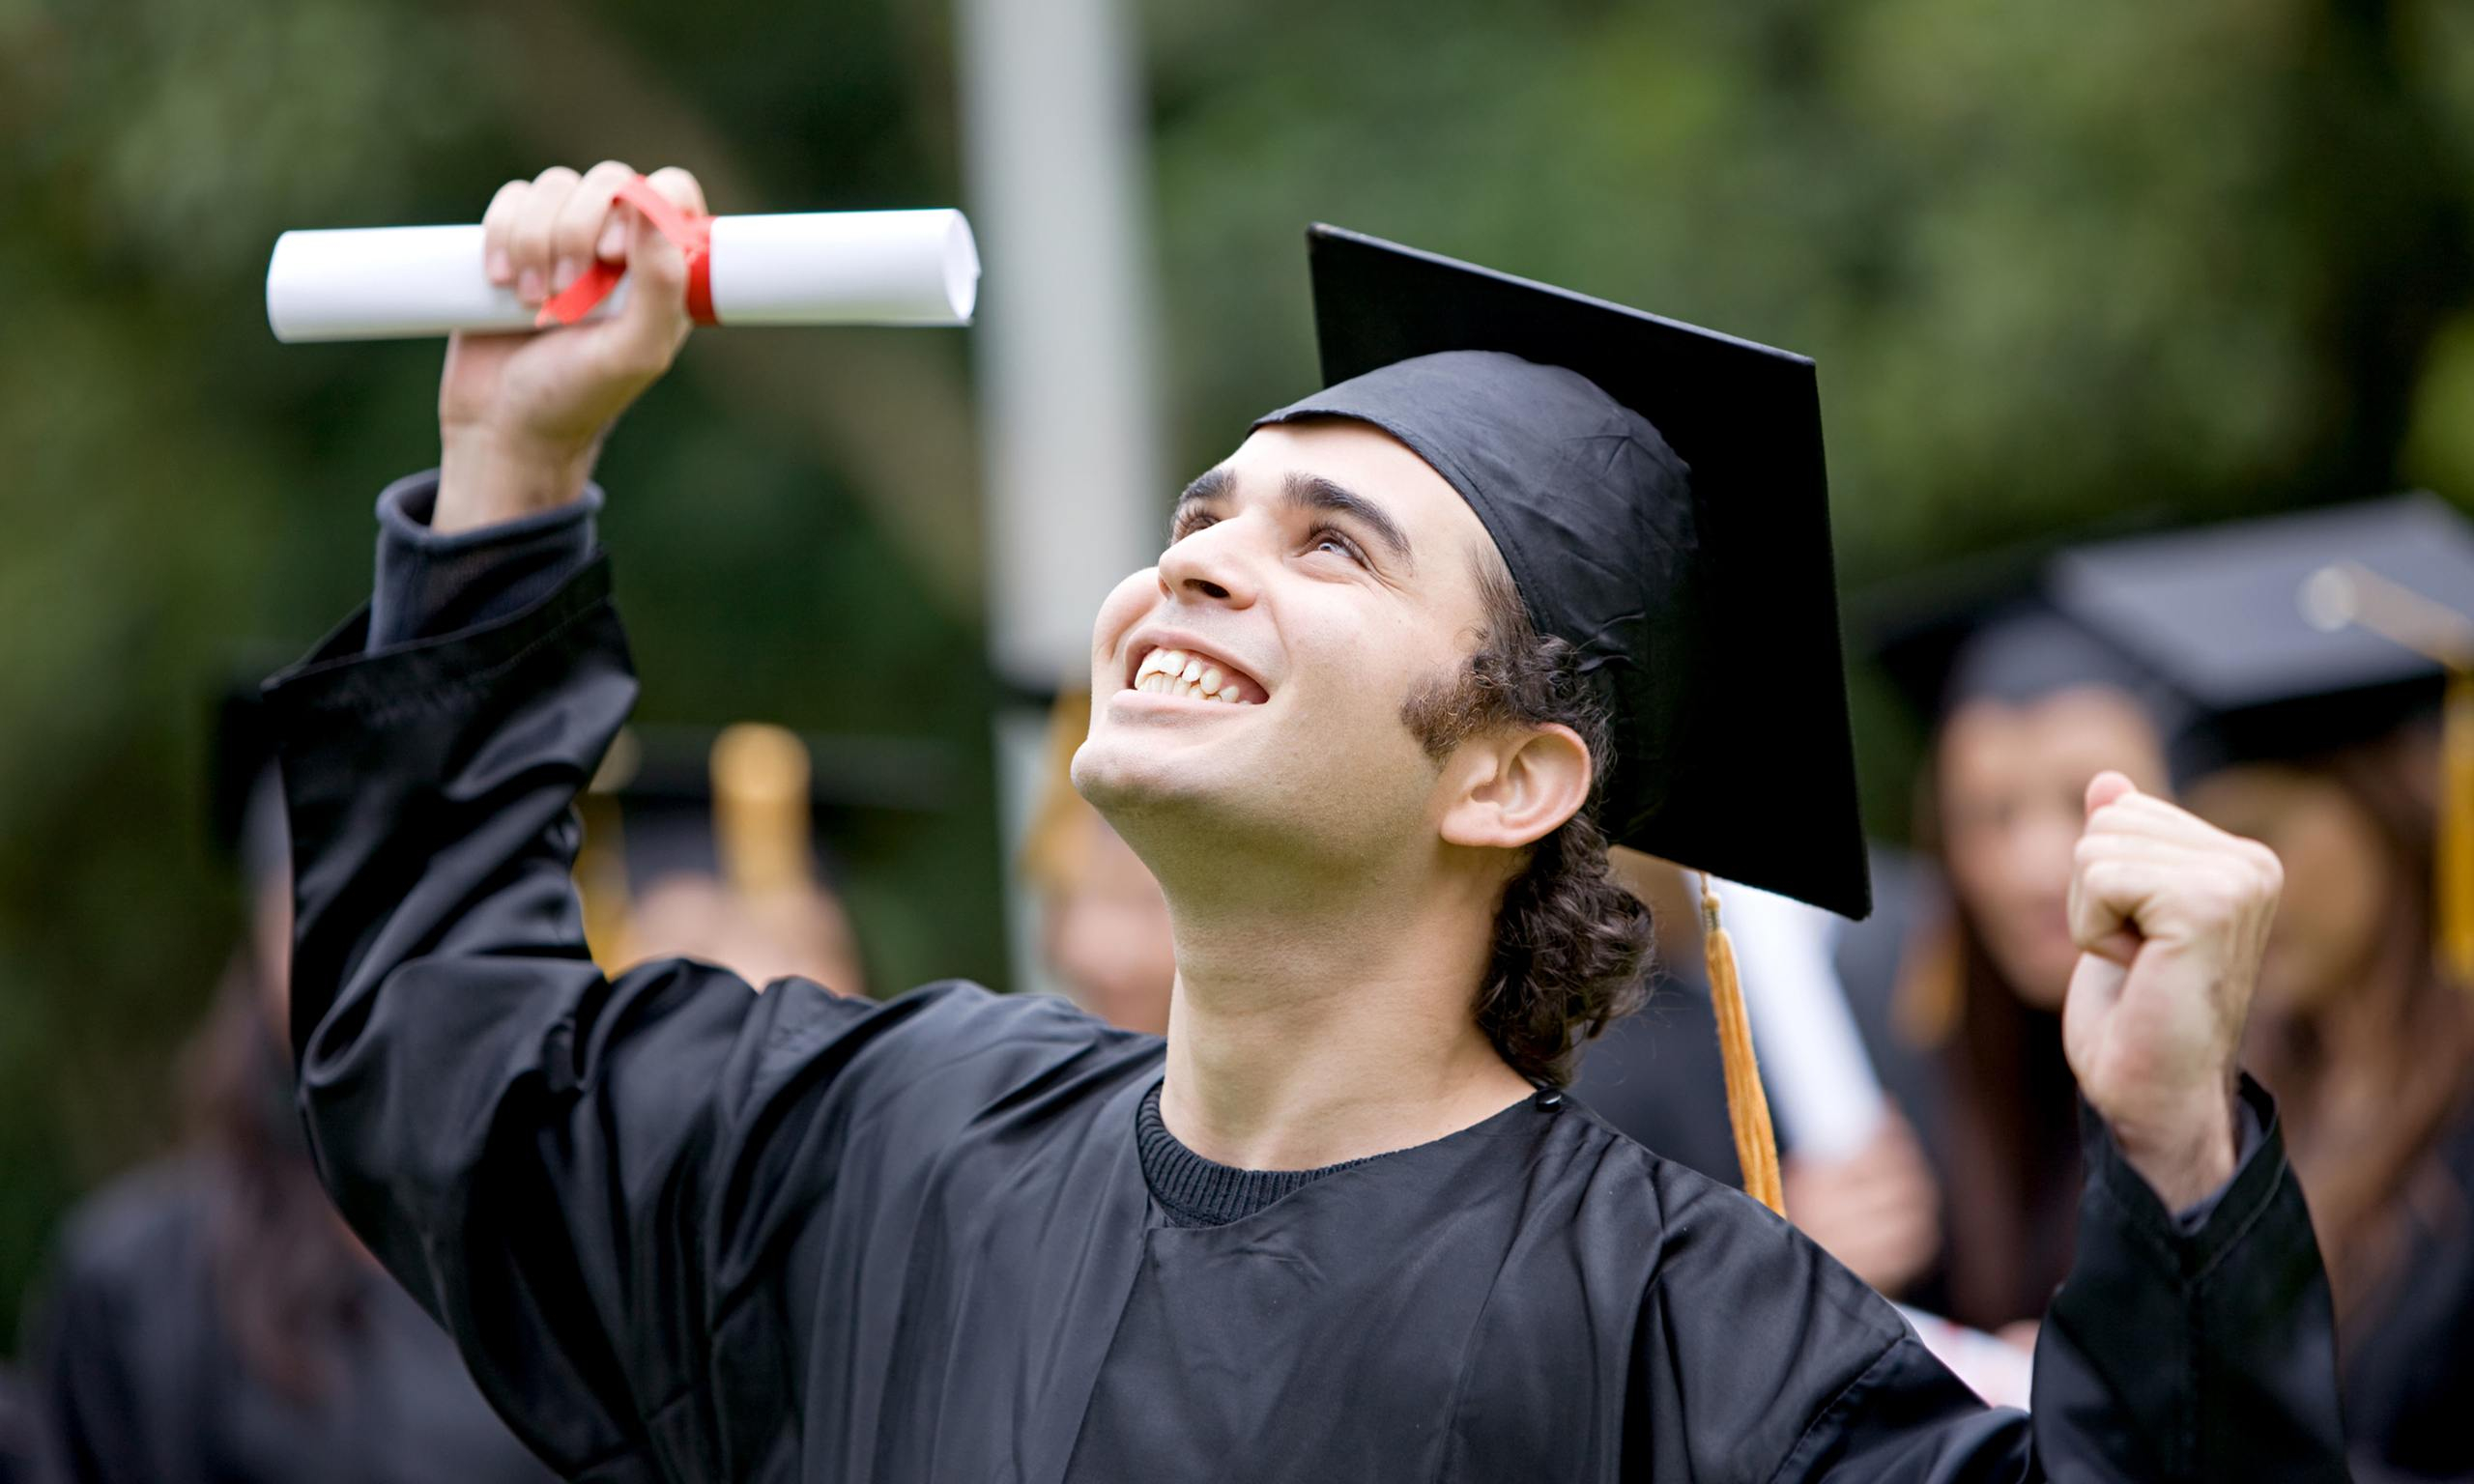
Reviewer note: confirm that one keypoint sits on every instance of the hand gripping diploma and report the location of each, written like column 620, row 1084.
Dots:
column 521, row 417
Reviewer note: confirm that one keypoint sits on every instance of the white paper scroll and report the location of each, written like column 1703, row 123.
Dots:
column 1828, row 1099
column 812, row 268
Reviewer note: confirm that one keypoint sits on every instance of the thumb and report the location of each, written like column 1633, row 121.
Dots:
column 2107, row 788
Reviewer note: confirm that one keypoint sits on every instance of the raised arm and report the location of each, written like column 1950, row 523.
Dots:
column 543, row 1156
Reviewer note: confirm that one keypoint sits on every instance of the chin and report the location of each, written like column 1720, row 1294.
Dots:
column 1128, row 779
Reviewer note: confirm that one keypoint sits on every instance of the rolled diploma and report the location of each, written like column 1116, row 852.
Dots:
column 807, row 267
column 1829, row 1099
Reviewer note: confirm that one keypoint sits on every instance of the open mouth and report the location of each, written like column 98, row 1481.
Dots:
column 1194, row 676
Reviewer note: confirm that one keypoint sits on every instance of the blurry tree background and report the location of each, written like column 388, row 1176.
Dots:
column 2061, row 267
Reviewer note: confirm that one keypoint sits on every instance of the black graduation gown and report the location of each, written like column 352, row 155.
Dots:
column 683, row 1231
column 2407, row 1352
column 141, row 1383
column 1656, row 1076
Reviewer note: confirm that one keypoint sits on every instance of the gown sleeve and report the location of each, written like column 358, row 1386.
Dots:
column 583, row 1179
column 2177, row 1350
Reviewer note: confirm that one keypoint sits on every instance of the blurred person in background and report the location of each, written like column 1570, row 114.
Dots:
column 711, row 846
column 210, row 1318
column 2334, row 657
column 1958, row 983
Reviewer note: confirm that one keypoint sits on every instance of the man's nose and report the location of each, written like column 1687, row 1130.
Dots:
column 1216, row 564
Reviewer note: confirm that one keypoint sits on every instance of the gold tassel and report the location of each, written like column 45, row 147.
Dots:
column 1748, row 1106
column 601, row 859
column 761, row 808
column 2347, row 592
column 2455, row 863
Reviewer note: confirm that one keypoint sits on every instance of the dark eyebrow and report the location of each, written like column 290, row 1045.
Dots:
column 1209, row 486
column 1314, row 492
column 1308, row 492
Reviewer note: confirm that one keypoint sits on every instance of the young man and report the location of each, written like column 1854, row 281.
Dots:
column 1428, row 630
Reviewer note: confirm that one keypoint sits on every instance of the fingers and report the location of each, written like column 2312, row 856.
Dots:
column 536, row 213
column 680, row 187
column 583, row 219
column 2128, row 888
column 538, row 235
column 497, row 228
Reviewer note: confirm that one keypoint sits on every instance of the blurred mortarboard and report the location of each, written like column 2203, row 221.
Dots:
column 2249, row 620
column 1982, row 626
column 2304, row 633
column 1657, row 493
column 752, row 805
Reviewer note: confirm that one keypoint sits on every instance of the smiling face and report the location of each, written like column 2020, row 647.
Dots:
column 1249, row 688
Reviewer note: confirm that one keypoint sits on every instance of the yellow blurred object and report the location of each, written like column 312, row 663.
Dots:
column 760, row 808
column 601, row 860
column 1747, row 1105
column 2349, row 593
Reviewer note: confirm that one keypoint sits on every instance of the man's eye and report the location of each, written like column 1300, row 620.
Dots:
column 1332, row 539
column 1187, row 526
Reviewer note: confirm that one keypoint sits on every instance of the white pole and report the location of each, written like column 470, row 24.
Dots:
column 1055, row 170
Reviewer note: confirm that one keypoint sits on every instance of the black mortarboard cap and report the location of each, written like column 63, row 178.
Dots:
column 2247, row 619
column 1657, row 493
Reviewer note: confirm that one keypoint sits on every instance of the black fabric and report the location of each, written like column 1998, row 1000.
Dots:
column 685, row 1231
column 141, row 1381
column 1657, row 1077
column 1194, row 1192
column 2407, row 1352
column 431, row 584
column 1658, row 492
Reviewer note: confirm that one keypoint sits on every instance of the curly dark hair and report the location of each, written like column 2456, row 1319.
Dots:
column 1573, row 947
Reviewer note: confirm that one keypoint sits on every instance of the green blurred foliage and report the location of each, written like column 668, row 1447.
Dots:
column 2059, row 265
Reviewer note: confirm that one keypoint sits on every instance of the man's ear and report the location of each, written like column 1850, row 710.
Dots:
column 1512, row 790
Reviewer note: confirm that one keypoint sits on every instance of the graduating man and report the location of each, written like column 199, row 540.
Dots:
column 1415, row 652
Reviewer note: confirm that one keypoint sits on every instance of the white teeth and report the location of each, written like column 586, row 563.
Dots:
column 1176, row 672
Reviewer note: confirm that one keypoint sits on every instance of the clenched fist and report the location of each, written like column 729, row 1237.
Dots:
column 520, row 417
column 2170, row 915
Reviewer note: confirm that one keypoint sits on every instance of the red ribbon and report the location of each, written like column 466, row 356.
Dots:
column 691, row 233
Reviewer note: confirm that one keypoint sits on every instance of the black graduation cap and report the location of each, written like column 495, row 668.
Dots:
column 2294, row 634
column 1658, row 492
column 2304, row 633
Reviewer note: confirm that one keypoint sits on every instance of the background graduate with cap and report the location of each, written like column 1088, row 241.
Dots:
column 2331, row 655
column 1535, row 573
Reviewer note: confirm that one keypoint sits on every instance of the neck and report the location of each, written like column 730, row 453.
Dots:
column 1308, row 1032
